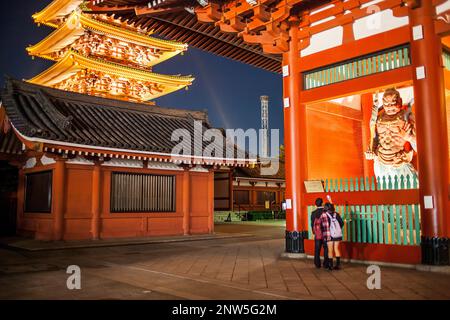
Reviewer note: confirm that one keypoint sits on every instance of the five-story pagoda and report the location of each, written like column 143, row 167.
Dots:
column 98, row 55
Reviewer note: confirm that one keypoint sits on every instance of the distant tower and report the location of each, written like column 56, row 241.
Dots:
column 264, row 126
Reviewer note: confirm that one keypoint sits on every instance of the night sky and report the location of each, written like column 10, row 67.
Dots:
column 229, row 90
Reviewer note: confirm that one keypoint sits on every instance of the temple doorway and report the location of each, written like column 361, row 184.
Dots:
column 8, row 199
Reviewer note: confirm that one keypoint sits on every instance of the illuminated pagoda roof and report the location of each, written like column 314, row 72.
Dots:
column 53, row 15
column 78, row 23
column 98, row 55
column 73, row 64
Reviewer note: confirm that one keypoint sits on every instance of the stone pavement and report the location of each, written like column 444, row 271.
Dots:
column 228, row 268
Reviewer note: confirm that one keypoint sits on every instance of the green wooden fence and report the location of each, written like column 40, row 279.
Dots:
column 382, row 224
column 446, row 57
column 371, row 183
column 381, row 61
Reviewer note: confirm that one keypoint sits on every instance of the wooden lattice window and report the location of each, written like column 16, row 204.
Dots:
column 133, row 192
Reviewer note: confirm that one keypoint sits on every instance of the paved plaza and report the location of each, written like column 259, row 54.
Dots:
column 226, row 268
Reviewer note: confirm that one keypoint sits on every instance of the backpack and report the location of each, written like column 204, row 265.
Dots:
column 335, row 227
column 317, row 228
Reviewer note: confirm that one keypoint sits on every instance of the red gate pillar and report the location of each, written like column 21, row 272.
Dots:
column 429, row 93
column 295, row 140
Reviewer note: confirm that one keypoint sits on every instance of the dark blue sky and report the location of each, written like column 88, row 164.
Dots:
column 229, row 90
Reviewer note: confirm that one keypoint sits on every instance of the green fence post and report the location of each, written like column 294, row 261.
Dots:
column 396, row 187
column 417, row 223
column 410, row 225
column 404, row 225
column 369, row 224
column 353, row 215
column 392, row 223
column 345, row 219
column 408, row 182
column 386, row 224
column 375, row 224
column 358, row 223
column 363, row 224
column 352, row 187
column 402, row 182
column 389, row 183
column 380, row 223
column 398, row 224
column 378, row 183
column 345, row 184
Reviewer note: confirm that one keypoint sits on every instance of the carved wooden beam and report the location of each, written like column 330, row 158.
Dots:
column 98, row 9
column 146, row 11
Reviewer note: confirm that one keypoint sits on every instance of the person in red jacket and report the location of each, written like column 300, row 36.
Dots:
column 316, row 227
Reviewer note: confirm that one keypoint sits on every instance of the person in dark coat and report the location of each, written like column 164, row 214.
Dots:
column 316, row 227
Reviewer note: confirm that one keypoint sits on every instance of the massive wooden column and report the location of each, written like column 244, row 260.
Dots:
column 95, row 204
column 429, row 92
column 295, row 140
column 59, row 183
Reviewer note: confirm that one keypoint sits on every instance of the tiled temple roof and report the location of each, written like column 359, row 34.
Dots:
column 255, row 173
column 50, row 115
column 9, row 143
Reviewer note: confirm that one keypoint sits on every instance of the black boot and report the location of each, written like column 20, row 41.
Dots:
column 325, row 263
column 330, row 264
column 338, row 263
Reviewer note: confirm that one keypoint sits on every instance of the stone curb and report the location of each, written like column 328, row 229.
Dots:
column 68, row 245
column 418, row 267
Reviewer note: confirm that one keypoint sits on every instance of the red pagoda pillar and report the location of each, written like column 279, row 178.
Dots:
column 295, row 140
column 95, row 205
column 431, row 124
column 59, row 182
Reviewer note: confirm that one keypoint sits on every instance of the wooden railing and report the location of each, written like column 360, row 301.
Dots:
column 371, row 183
column 383, row 210
column 381, row 61
column 383, row 224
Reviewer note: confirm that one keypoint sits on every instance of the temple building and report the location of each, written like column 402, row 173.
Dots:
column 86, row 153
column 90, row 167
column 353, row 65
column 243, row 189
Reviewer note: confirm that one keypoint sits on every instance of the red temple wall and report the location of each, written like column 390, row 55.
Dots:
column 335, row 148
column 78, row 201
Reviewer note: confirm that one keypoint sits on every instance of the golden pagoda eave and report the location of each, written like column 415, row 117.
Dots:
column 56, row 9
column 76, row 25
column 74, row 62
